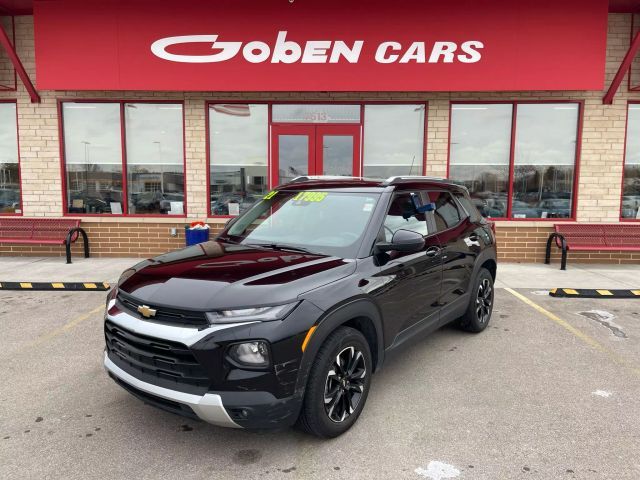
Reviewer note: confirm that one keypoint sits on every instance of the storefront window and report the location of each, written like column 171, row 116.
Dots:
column 92, row 137
column 545, row 155
column 155, row 158
column 393, row 140
column 542, row 159
column 9, row 167
column 238, row 143
column 479, row 154
column 631, row 180
column 93, row 157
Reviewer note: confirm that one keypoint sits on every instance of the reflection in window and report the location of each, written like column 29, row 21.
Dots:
column 402, row 216
column 155, row 158
column 479, row 154
column 446, row 214
column 238, row 142
column 9, row 174
column 93, row 157
column 393, row 140
column 544, row 163
column 631, row 179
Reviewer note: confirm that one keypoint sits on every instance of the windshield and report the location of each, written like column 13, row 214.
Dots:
column 331, row 222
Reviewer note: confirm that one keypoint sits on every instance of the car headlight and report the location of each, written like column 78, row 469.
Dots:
column 250, row 354
column 261, row 314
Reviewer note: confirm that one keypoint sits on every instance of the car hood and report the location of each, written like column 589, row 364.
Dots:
column 216, row 275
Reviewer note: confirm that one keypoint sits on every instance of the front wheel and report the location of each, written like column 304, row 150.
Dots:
column 338, row 384
column 480, row 307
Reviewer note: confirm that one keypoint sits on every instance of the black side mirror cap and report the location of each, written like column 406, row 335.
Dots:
column 402, row 241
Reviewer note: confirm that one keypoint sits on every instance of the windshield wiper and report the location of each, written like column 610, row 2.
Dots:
column 282, row 246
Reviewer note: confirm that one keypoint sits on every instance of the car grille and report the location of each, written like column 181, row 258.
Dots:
column 170, row 316
column 160, row 362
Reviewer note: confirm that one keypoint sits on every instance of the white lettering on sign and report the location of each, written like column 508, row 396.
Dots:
column 318, row 51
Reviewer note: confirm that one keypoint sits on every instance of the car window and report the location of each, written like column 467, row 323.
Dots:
column 470, row 210
column 446, row 213
column 402, row 216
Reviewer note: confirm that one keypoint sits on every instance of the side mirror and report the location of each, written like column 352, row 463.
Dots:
column 402, row 241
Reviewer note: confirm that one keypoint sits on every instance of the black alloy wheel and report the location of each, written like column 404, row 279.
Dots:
column 478, row 314
column 338, row 384
column 344, row 385
column 484, row 301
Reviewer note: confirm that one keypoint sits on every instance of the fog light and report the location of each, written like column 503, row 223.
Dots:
column 251, row 354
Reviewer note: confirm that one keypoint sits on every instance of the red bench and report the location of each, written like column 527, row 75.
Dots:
column 43, row 231
column 586, row 237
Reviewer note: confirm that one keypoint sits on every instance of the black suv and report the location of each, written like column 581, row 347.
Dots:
column 288, row 313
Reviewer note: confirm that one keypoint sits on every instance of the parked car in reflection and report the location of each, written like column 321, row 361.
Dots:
column 167, row 198
column 555, row 208
column 521, row 209
column 630, row 206
column 219, row 205
column 9, row 200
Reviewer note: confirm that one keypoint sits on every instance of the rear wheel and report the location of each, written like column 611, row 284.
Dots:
column 480, row 307
column 338, row 384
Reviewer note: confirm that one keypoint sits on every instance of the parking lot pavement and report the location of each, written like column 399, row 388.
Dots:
column 54, row 269
column 547, row 393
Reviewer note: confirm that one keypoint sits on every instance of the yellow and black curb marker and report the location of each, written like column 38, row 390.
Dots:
column 591, row 293
column 68, row 286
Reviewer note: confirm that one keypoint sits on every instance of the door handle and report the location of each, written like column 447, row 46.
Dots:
column 433, row 251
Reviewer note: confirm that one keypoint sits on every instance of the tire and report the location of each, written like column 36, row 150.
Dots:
column 317, row 416
column 478, row 314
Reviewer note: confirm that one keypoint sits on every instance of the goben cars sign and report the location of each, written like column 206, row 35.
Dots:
column 316, row 51
column 320, row 45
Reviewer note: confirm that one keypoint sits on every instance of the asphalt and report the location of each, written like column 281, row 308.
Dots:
column 548, row 391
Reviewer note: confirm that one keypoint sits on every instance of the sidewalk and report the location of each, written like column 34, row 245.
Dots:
column 513, row 275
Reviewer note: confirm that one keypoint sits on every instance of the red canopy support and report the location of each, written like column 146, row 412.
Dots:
column 17, row 64
column 622, row 71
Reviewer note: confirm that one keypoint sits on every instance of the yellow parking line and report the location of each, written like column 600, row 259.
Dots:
column 592, row 342
column 68, row 326
column 604, row 292
column 635, row 292
column 25, row 285
column 57, row 285
column 90, row 285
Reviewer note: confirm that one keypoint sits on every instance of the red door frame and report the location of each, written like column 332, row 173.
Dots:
column 314, row 134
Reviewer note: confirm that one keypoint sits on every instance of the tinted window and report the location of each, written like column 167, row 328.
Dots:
column 446, row 212
column 469, row 209
column 402, row 216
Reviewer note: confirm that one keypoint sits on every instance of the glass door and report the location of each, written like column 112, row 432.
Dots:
column 338, row 150
column 314, row 150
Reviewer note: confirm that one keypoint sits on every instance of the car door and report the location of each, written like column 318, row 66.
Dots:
column 460, row 247
column 409, row 282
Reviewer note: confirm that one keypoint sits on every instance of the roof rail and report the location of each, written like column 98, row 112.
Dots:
column 310, row 178
column 395, row 179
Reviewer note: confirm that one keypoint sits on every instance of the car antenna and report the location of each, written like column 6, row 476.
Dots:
column 412, row 162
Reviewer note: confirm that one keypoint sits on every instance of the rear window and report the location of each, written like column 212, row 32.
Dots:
column 469, row 208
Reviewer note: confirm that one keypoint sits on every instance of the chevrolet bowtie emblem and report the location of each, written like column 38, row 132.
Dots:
column 146, row 311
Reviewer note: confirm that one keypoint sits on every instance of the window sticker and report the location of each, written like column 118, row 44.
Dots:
column 270, row 195
column 310, row 197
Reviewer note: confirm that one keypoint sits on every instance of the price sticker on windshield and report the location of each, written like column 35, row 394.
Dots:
column 270, row 195
column 308, row 197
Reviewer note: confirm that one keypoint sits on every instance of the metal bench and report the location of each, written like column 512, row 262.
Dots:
column 43, row 231
column 581, row 237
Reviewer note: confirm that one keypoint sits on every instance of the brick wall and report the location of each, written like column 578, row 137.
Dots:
column 598, row 194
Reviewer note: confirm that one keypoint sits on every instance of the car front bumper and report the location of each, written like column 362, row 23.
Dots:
column 207, row 407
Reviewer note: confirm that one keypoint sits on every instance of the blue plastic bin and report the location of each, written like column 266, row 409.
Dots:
column 193, row 237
